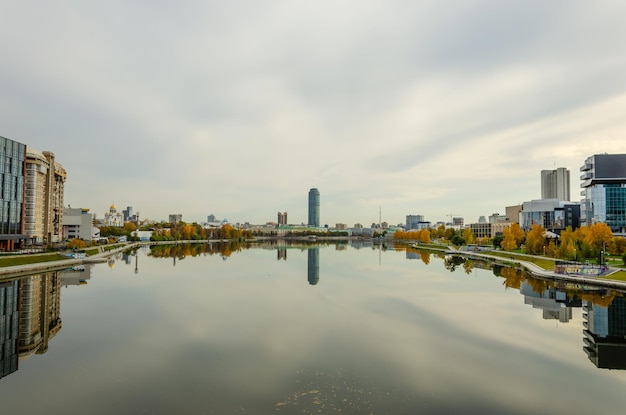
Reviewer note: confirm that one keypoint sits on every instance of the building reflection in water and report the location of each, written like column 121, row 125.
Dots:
column 8, row 327
column 30, row 316
column 605, row 333
column 313, row 265
column 78, row 275
column 281, row 253
column 554, row 302
column 40, row 312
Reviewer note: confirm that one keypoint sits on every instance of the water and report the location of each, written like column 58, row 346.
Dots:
column 326, row 330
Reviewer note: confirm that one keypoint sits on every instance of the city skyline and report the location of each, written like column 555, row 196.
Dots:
column 236, row 110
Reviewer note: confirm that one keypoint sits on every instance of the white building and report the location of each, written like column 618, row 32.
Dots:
column 77, row 223
column 113, row 217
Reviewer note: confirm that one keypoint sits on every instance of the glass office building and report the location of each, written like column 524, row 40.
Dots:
column 12, row 171
column 314, row 207
column 604, row 191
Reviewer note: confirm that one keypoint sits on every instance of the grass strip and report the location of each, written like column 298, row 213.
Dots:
column 30, row 259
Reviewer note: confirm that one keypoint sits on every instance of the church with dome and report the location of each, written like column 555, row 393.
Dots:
column 113, row 217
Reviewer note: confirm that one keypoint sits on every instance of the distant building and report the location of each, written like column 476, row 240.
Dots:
column 314, row 207
column 175, row 218
column 555, row 184
column 113, row 217
column 43, row 213
column 457, row 221
column 481, row 230
column 513, row 213
column 211, row 218
column 604, row 191
column 282, row 218
column 551, row 214
column 413, row 221
column 127, row 213
column 341, row 226
column 77, row 223
column 482, row 219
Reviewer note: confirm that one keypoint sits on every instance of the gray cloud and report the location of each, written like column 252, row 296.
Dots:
column 239, row 108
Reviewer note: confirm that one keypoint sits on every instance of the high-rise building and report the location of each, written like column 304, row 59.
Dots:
column 412, row 221
column 555, row 184
column 128, row 213
column 45, row 182
column 175, row 218
column 604, row 191
column 282, row 218
column 314, row 207
column 12, row 172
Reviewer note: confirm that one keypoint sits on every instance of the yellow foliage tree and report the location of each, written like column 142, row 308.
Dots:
column 535, row 241
column 469, row 236
column 509, row 242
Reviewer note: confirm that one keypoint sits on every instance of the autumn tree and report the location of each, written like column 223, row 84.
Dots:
column 509, row 242
column 535, row 241
column 469, row 236
column 567, row 245
column 598, row 236
column 517, row 232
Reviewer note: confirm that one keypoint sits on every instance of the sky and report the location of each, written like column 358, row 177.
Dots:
column 238, row 108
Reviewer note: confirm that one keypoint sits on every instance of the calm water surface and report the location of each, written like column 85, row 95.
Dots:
column 330, row 329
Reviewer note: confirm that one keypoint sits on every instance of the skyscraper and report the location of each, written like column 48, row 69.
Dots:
column 314, row 207
column 604, row 191
column 555, row 184
column 12, row 160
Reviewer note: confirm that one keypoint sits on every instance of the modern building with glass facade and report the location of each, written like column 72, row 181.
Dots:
column 604, row 191
column 314, row 207
column 12, row 173
column 552, row 214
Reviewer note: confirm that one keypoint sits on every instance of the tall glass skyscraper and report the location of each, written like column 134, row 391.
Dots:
column 314, row 207
column 604, row 191
column 12, row 172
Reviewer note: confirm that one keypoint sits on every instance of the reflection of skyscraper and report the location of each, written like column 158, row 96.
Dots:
column 605, row 334
column 281, row 254
column 40, row 312
column 313, row 265
column 314, row 207
column 9, row 327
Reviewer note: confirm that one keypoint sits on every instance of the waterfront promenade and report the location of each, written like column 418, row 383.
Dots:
column 537, row 271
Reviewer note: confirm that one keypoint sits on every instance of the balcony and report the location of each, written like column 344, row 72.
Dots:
column 586, row 167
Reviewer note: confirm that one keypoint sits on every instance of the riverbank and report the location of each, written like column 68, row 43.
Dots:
column 514, row 261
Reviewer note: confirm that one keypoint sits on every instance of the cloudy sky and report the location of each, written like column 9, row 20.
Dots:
column 238, row 108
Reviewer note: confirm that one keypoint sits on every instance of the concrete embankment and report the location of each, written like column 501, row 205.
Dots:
column 28, row 269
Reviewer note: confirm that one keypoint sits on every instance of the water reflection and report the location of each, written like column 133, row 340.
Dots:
column 313, row 265
column 30, row 316
column 605, row 333
column 30, row 307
